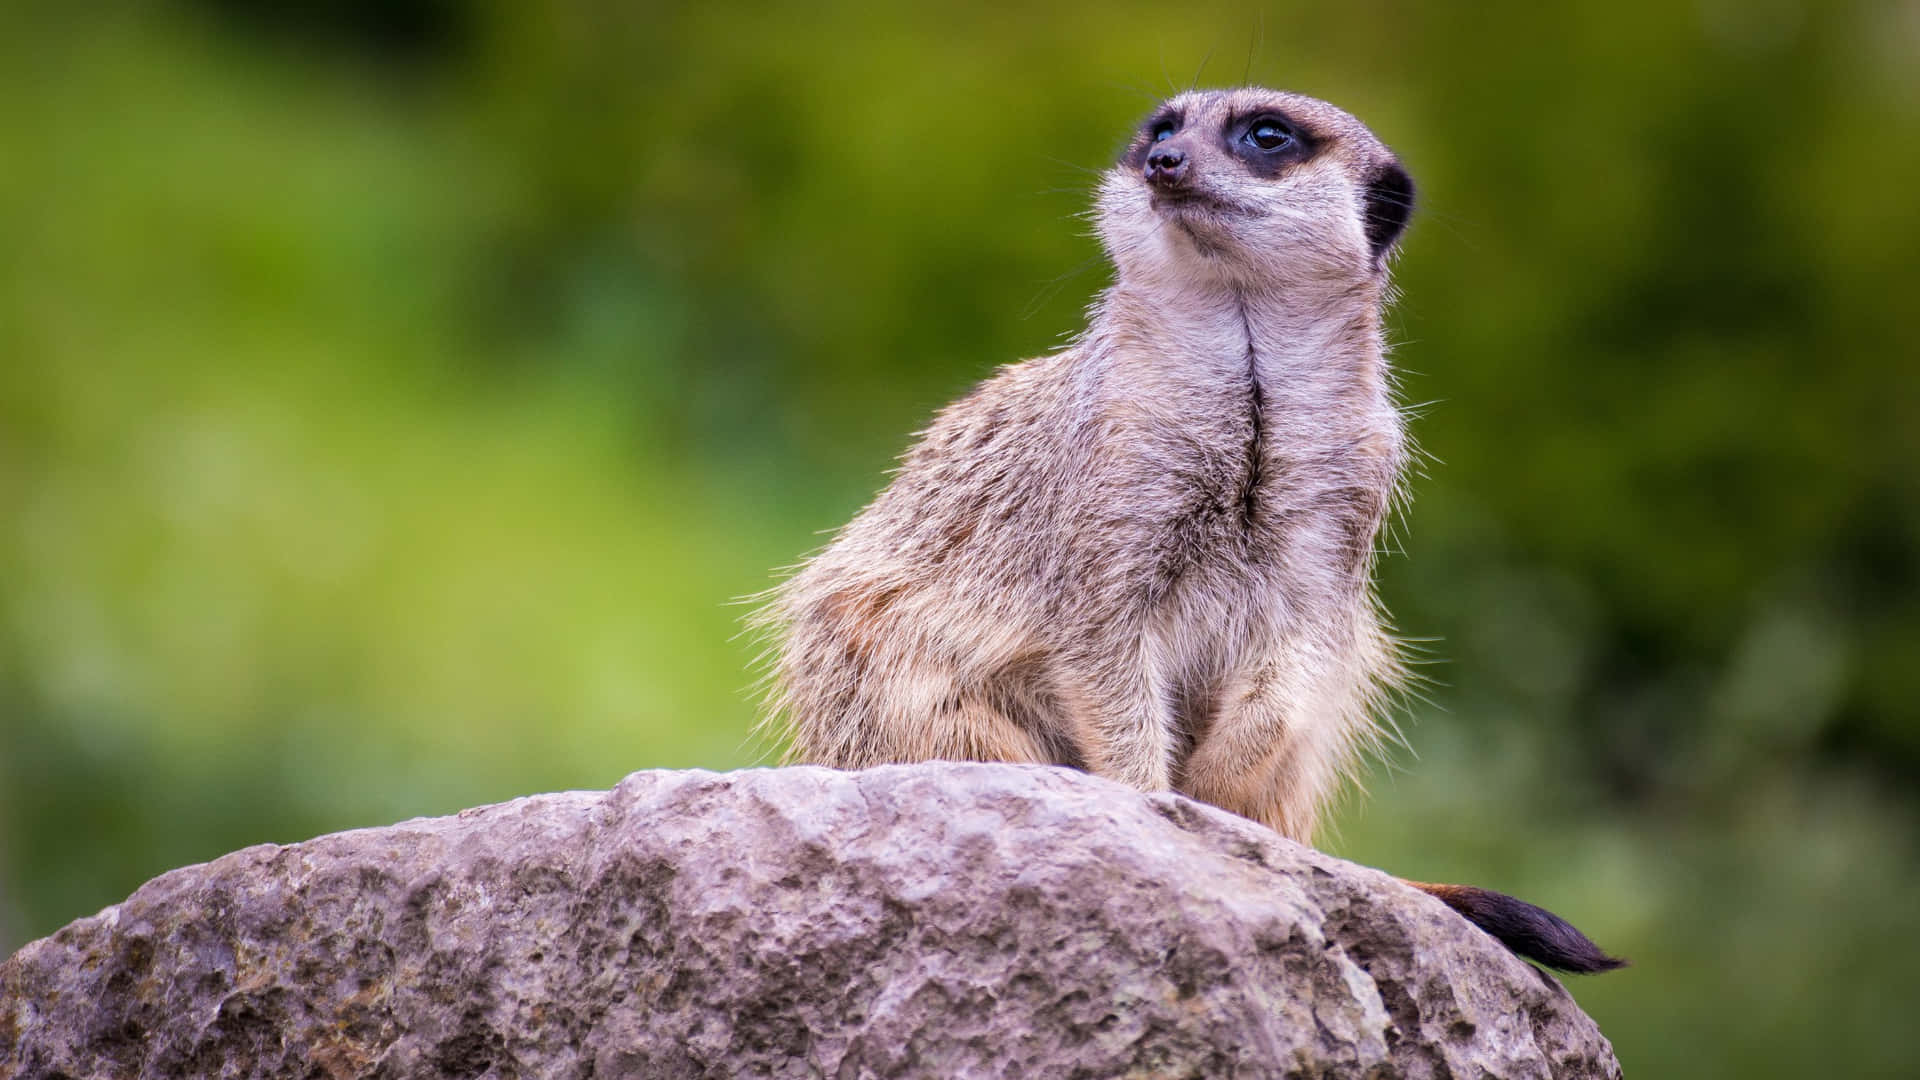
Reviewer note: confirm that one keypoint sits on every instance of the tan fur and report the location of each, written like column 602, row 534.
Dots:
column 1148, row 555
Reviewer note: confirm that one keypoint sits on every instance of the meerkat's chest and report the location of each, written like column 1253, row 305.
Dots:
column 1242, row 459
column 1237, row 492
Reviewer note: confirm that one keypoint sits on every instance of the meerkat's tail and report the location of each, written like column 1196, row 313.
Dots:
column 1532, row 932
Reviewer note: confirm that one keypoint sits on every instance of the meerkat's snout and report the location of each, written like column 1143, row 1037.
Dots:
column 1169, row 167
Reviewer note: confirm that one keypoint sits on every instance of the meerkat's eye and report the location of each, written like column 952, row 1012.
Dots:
column 1269, row 135
column 1161, row 131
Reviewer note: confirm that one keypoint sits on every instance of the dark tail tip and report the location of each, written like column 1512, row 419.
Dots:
column 1532, row 932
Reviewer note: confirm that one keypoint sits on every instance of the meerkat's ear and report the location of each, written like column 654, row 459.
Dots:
column 1389, row 202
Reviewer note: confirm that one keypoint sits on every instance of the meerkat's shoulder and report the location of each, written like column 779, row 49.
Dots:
column 1013, row 393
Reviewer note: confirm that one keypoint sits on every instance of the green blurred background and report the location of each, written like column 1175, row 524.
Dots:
column 394, row 394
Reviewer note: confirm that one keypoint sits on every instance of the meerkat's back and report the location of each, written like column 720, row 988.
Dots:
column 914, row 635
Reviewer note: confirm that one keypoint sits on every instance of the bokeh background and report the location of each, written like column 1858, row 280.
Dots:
column 394, row 394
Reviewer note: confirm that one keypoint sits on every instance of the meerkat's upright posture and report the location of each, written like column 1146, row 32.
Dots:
column 1150, row 555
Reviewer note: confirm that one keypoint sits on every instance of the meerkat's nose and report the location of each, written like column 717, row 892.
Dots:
column 1167, row 167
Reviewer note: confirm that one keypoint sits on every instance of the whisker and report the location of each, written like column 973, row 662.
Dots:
column 1204, row 61
column 1259, row 33
column 1051, row 288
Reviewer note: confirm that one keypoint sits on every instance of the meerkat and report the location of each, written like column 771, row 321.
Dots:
column 1149, row 555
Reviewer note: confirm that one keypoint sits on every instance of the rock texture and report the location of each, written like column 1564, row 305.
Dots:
column 932, row 920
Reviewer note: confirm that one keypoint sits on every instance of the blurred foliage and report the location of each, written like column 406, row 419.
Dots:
column 394, row 394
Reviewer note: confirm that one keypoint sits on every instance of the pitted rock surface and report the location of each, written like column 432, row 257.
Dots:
column 938, row 920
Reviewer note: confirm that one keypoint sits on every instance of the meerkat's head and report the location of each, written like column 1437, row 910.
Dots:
column 1258, row 188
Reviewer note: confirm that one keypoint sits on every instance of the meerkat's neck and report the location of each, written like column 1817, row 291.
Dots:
column 1306, row 347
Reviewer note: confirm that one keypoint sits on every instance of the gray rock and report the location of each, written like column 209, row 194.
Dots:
column 932, row 920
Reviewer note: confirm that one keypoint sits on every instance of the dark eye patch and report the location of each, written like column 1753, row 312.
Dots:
column 1269, row 134
column 1269, row 142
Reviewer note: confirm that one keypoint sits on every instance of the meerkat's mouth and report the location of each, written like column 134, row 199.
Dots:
column 1190, row 205
column 1205, row 220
